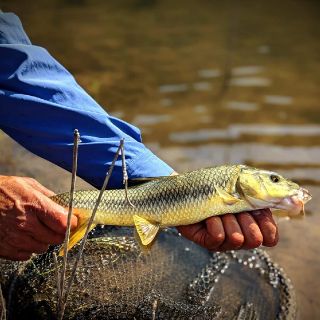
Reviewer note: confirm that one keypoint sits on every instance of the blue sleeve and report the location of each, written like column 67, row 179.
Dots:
column 41, row 104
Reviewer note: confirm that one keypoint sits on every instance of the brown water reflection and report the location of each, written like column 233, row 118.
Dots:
column 208, row 82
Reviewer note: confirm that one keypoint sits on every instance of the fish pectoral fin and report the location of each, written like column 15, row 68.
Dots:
column 146, row 229
column 76, row 235
column 225, row 196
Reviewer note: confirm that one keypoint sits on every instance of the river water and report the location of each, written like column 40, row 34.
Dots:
column 208, row 83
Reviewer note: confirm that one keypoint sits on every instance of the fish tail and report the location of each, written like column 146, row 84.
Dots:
column 77, row 234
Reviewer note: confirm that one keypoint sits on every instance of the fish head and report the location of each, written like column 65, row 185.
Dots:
column 268, row 189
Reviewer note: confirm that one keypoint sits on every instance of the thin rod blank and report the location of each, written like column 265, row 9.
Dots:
column 61, row 304
column 105, row 183
column 3, row 305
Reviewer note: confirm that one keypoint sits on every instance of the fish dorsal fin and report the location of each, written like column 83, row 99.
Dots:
column 147, row 230
column 147, row 179
column 138, row 181
column 225, row 196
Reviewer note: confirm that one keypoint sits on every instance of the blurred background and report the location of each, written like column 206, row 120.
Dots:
column 208, row 83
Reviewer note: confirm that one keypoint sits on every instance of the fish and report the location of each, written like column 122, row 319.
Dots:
column 185, row 199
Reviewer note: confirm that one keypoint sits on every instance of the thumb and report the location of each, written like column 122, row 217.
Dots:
column 55, row 216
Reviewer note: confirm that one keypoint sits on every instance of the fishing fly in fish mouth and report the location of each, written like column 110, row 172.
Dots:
column 187, row 199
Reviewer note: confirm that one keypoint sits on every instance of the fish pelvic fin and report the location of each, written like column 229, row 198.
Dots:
column 77, row 234
column 144, row 250
column 146, row 229
column 225, row 196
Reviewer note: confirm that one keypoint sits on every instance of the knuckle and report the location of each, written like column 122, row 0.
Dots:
column 236, row 240
column 12, row 179
column 201, row 240
column 16, row 181
column 271, row 242
column 218, row 239
column 29, row 180
column 18, row 204
column 32, row 180
column 254, row 242
column 20, row 225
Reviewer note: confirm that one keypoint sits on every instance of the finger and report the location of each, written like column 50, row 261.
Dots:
column 196, row 233
column 216, row 233
column 24, row 242
column 252, row 235
column 39, row 187
column 19, row 256
column 267, row 226
column 40, row 232
column 233, row 235
column 192, row 231
column 54, row 216
column 14, row 254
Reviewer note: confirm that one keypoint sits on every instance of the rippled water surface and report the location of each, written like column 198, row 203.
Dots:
column 208, row 83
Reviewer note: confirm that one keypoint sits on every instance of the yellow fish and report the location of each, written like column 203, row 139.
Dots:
column 186, row 199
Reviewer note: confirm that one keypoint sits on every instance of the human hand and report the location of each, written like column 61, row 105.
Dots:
column 232, row 232
column 29, row 220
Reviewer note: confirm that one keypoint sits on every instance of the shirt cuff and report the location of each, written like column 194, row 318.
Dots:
column 146, row 165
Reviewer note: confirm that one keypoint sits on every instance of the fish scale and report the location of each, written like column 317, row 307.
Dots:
column 180, row 200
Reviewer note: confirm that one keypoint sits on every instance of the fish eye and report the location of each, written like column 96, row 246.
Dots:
column 274, row 178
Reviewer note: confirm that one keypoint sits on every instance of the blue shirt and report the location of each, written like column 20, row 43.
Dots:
column 41, row 104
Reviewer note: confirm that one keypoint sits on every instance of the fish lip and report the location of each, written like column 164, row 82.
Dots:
column 305, row 195
column 302, row 195
column 294, row 204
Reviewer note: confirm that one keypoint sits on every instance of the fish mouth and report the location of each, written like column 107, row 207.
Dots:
column 294, row 204
column 304, row 195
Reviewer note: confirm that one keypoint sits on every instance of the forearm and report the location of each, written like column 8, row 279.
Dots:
column 41, row 104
